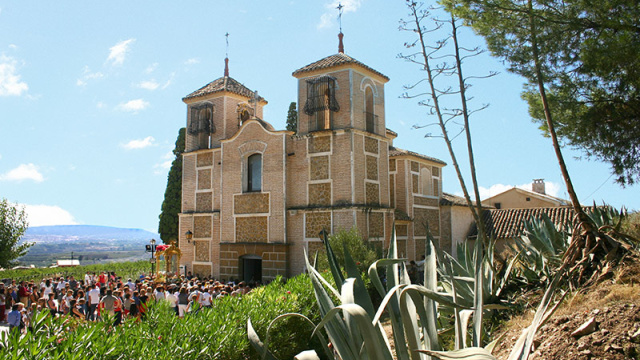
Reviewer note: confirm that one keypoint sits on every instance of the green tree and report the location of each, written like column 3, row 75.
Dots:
column 292, row 118
column 362, row 252
column 531, row 36
column 171, row 206
column 589, row 65
column 13, row 225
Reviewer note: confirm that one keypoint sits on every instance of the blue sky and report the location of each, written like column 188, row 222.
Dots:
column 90, row 98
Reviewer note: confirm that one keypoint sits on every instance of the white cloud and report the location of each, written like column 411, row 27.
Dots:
column 551, row 188
column 133, row 105
column 10, row 83
column 88, row 75
column 330, row 16
column 101, row 105
column 192, row 61
column 13, row 46
column 44, row 215
column 151, row 68
column 166, row 85
column 23, row 172
column 118, row 52
column 148, row 85
column 139, row 143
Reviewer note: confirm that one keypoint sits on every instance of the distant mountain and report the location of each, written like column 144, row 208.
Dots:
column 87, row 232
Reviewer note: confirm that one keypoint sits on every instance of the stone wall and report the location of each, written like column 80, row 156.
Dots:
column 204, row 201
column 251, row 203
column 205, row 159
column 252, row 229
column 431, row 216
column 315, row 222
column 202, row 226
column 201, row 270
column 202, row 250
column 320, row 194
column 372, row 167
column 371, row 145
column 373, row 193
column 319, row 144
column 376, row 225
column 319, row 168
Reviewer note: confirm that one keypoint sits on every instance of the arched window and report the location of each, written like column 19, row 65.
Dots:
column 368, row 110
column 254, row 173
column 426, row 181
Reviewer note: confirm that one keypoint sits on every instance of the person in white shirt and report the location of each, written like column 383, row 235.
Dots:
column 159, row 293
column 87, row 279
column 205, row 298
column 94, row 300
column 48, row 288
column 131, row 285
column 60, row 288
column 173, row 300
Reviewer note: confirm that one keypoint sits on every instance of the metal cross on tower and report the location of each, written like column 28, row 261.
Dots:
column 340, row 7
column 226, row 53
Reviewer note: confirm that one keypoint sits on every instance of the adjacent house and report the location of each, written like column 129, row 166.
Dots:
column 517, row 198
column 255, row 198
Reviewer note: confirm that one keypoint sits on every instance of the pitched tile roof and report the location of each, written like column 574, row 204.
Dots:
column 394, row 151
column 225, row 83
column 335, row 60
column 449, row 199
column 509, row 223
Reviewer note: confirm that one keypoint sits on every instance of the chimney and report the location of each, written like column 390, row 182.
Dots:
column 538, row 186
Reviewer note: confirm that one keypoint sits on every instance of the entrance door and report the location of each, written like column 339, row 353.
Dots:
column 251, row 268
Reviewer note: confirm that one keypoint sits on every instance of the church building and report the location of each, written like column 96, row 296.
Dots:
column 254, row 198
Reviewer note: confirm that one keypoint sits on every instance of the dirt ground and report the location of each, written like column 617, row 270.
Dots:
column 612, row 308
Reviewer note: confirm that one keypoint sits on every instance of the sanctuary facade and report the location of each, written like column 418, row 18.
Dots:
column 254, row 198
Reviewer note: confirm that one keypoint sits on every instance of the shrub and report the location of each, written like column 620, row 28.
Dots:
column 216, row 333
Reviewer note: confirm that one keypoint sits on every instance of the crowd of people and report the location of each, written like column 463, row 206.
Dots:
column 100, row 295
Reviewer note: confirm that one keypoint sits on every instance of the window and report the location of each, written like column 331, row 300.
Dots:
column 426, row 181
column 254, row 173
column 321, row 102
column 201, row 124
column 498, row 205
column 528, row 199
column 368, row 110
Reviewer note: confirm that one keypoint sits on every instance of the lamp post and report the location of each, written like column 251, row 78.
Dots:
column 153, row 248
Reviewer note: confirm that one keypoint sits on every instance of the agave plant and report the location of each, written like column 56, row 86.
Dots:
column 353, row 325
column 541, row 249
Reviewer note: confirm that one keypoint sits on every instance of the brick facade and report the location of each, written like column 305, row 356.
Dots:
column 344, row 176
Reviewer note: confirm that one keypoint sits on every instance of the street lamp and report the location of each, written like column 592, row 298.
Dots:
column 189, row 236
column 153, row 260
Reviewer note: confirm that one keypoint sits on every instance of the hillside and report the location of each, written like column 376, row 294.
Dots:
column 86, row 232
column 90, row 244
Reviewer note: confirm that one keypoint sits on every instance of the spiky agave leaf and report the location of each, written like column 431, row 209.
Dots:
column 478, row 294
column 372, row 348
column 522, row 348
column 471, row 353
column 336, row 328
column 289, row 315
column 257, row 344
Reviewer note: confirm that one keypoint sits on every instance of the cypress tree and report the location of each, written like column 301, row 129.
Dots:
column 171, row 206
column 292, row 118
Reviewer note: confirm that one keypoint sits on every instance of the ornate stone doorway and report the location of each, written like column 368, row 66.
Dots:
column 251, row 268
